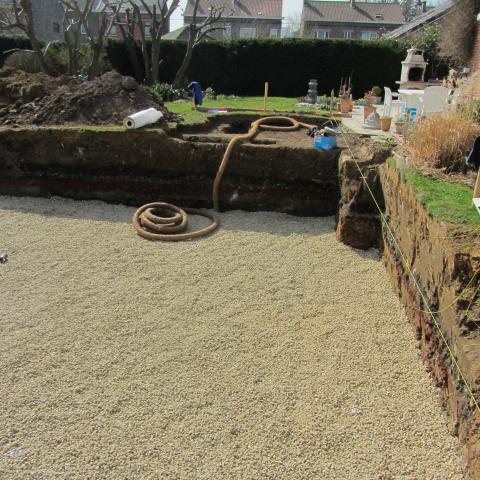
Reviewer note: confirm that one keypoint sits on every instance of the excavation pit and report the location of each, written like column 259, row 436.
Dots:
column 280, row 172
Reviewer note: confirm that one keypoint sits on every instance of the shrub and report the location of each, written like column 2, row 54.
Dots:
column 167, row 92
column 471, row 110
column 11, row 43
column 23, row 60
column 441, row 142
column 377, row 91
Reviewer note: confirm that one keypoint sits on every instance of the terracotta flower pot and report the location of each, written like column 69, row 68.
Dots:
column 386, row 123
column 345, row 105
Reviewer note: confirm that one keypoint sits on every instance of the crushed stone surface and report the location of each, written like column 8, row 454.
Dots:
column 266, row 351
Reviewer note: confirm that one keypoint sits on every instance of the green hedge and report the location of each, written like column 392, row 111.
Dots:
column 10, row 43
column 242, row 66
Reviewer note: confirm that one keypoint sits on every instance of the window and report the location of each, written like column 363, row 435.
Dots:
column 227, row 31
column 248, row 32
column 274, row 32
column 379, row 16
column 146, row 29
column 323, row 34
column 113, row 31
column 369, row 35
column 348, row 34
column 56, row 27
column 83, row 31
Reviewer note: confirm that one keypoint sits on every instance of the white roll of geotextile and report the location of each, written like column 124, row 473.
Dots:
column 145, row 117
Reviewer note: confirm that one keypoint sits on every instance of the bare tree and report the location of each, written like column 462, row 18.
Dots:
column 19, row 16
column 197, row 32
column 78, row 19
column 127, row 26
column 159, row 14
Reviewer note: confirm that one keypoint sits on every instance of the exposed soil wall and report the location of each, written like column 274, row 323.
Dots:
column 134, row 167
column 358, row 217
column 443, row 264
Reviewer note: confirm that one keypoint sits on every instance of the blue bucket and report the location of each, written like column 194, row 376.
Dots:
column 325, row 143
column 413, row 113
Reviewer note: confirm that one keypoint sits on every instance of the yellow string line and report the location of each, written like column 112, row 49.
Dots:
column 429, row 311
column 467, row 312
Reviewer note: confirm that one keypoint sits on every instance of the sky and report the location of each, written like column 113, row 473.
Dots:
column 290, row 7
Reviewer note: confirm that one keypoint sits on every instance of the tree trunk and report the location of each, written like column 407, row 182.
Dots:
column 73, row 44
column 155, row 65
column 179, row 80
column 94, row 67
column 131, row 46
column 41, row 58
column 180, row 77
column 29, row 29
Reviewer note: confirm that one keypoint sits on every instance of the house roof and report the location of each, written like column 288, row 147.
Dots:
column 425, row 18
column 239, row 8
column 360, row 12
column 181, row 34
column 176, row 34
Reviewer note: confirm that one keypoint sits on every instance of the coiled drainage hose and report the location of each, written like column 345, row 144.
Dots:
column 163, row 221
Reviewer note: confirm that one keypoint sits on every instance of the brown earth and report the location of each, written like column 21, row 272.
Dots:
column 37, row 99
column 442, row 262
column 358, row 222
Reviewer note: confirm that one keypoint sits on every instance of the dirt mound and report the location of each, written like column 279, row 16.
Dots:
column 41, row 100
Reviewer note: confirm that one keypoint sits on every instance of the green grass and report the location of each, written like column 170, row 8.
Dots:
column 448, row 201
column 254, row 103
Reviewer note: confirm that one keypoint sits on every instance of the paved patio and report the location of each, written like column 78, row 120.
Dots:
column 357, row 125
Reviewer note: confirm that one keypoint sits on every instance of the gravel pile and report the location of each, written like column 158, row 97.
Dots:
column 266, row 351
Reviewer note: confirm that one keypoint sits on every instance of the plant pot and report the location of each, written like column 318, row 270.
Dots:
column 367, row 111
column 400, row 126
column 345, row 105
column 376, row 100
column 386, row 123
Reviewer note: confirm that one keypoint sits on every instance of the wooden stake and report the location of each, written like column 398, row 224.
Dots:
column 476, row 191
column 265, row 97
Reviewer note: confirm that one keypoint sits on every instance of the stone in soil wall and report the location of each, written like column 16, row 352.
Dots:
column 358, row 222
column 442, row 263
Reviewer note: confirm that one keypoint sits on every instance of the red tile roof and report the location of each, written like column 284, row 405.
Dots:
column 239, row 8
column 360, row 12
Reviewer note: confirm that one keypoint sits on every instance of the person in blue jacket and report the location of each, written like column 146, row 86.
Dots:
column 197, row 92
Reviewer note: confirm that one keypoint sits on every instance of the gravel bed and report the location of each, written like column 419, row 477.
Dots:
column 266, row 351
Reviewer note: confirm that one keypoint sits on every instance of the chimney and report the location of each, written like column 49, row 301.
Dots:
column 352, row 3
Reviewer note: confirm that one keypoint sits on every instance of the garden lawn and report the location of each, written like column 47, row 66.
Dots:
column 448, row 201
column 282, row 104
